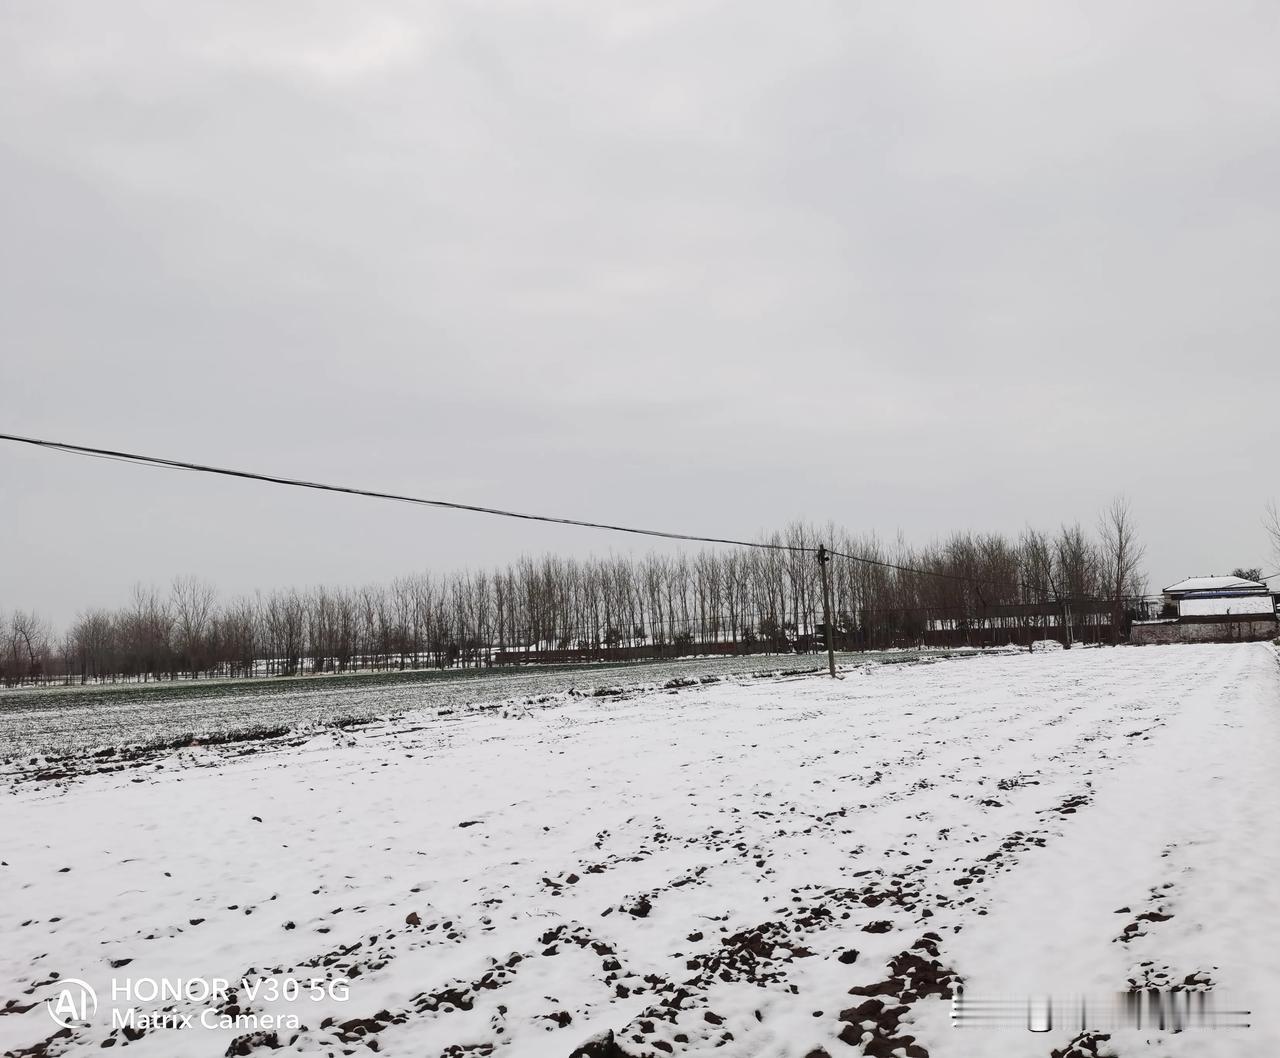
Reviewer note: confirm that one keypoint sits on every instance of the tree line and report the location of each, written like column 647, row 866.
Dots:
column 710, row 600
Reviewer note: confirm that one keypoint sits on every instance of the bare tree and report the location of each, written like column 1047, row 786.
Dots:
column 147, row 633
column 25, row 652
column 97, row 645
column 1121, row 559
column 192, row 602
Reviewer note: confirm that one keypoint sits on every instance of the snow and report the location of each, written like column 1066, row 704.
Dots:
column 1212, row 584
column 1236, row 605
column 692, row 868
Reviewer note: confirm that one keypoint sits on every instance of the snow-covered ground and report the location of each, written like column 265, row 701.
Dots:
column 71, row 719
column 791, row 866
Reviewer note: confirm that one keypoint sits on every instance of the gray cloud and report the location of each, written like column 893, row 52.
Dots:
column 710, row 266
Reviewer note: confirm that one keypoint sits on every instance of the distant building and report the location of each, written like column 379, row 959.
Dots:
column 1224, row 586
column 1212, row 610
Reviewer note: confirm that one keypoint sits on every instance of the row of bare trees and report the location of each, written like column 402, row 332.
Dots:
column 25, row 653
column 742, row 599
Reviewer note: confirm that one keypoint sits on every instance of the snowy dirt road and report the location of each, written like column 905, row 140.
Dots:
column 784, row 867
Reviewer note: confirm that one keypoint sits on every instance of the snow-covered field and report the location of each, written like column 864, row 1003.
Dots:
column 791, row 866
column 62, row 719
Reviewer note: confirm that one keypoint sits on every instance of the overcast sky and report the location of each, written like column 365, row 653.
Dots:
column 707, row 266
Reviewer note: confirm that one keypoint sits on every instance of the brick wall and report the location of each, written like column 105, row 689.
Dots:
column 1241, row 631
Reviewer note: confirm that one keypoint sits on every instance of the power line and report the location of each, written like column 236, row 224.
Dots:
column 273, row 479
column 176, row 464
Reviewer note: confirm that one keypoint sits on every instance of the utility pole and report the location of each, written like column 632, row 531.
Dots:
column 1066, row 610
column 824, row 557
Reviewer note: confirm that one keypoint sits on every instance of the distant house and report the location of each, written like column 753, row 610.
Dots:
column 1223, row 586
column 1212, row 610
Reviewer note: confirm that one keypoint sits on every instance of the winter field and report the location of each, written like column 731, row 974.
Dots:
column 783, row 866
column 61, row 719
